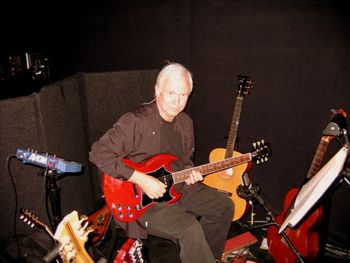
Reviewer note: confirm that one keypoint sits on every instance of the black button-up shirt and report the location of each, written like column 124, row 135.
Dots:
column 137, row 136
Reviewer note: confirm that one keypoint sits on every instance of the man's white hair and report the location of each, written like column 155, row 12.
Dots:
column 171, row 71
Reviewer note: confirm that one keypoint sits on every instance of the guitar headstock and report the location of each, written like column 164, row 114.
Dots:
column 337, row 124
column 30, row 218
column 245, row 83
column 130, row 252
column 339, row 117
column 261, row 151
column 72, row 233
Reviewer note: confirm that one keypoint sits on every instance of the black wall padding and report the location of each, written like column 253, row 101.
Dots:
column 111, row 94
column 61, row 121
column 20, row 127
column 107, row 96
column 48, row 122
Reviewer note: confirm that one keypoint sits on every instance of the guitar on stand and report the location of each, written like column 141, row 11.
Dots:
column 228, row 180
column 278, row 247
column 304, row 239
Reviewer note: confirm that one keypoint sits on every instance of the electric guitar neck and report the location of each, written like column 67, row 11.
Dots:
column 127, row 201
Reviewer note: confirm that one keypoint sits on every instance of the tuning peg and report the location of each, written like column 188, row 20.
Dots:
column 83, row 227
column 83, row 219
column 84, row 230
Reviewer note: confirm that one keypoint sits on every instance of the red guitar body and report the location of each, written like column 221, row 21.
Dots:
column 132, row 203
column 130, row 252
column 100, row 220
column 305, row 237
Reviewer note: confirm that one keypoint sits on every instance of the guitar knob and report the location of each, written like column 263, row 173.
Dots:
column 117, row 207
column 137, row 207
column 131, row 215
column 128, row 207
column 120, row 215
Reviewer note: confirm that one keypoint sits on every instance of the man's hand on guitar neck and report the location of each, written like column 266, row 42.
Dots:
column 194, row 177
column 152, row 187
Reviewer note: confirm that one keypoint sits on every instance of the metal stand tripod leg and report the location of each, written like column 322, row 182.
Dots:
column 250, row 192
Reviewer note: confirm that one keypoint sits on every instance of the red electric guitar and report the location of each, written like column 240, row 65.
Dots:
column 100, row 220
column 126, row 200
column 130, row 252
column 305, row 237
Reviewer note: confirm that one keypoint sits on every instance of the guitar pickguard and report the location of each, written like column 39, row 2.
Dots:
column 162, row 175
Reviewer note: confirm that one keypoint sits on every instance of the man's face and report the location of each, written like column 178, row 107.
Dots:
column 172, row 97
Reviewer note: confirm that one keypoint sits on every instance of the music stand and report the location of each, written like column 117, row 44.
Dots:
column 315, row 188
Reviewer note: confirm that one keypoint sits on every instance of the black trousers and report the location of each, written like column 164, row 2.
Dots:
column 200, row 221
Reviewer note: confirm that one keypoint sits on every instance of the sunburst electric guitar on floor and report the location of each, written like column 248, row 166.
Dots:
column 126, row 200
column 227, row 181
column 100, row 221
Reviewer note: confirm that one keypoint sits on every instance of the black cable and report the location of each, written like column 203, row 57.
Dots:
column 7, row 168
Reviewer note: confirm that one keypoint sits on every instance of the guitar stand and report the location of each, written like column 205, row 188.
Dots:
column 346, row 173
column 250, row 192
column 53, row 195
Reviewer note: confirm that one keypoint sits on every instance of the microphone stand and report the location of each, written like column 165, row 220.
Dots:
column 53, row 195
column 346, row 172
column 250, row 192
